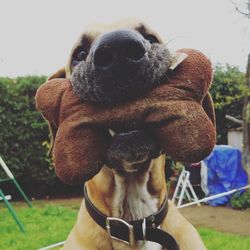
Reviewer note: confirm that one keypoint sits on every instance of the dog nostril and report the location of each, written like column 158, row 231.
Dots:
column 134, row 51
column 103, row 57
column 120, row 47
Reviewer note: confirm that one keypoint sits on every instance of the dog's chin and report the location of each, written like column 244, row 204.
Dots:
column 134, row 168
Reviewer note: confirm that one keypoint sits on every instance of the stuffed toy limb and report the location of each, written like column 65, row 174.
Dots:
column 178, row 114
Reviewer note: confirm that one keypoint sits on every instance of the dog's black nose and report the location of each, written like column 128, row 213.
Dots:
column 118, row 46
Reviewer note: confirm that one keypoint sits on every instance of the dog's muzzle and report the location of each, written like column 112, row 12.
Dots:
column 121, row 49
column 121, row 65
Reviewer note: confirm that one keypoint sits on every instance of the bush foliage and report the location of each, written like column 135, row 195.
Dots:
column 228, row 91
column 241, row 200
column 24, row 132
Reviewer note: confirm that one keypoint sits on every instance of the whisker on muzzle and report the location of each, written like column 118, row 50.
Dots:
column 173, row 39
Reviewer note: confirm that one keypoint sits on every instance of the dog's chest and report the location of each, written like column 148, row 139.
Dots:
column 133, row 202
column 138, row 203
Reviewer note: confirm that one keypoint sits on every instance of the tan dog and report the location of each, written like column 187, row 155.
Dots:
column 130, row 189
column 131, row 195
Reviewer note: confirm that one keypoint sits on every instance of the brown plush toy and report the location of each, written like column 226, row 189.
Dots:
column 179, row 113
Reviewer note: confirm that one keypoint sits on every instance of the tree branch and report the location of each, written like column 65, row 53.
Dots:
column 233, row 119
column 241, row 12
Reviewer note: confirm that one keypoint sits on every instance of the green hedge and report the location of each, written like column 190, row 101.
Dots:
column 228, row 90
column 23, row 132
column 241, row 200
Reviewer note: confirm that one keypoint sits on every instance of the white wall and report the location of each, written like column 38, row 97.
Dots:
column 235, row 139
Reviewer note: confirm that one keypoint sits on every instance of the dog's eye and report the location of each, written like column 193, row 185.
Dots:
column 82, row 55
column 151, row 38
column 79, row 54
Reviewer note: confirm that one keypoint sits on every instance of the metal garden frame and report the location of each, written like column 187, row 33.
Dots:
column 10, row 177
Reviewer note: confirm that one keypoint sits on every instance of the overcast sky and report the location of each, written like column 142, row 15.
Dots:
column 36, row 36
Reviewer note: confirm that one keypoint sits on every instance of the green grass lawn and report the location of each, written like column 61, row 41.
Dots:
column 223, row 241
column 50, row 222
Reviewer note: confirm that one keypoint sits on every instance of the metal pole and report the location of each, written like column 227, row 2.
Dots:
column 184, row 186
column 175, row 195
column 52, row 246
column 6, row 169
column 22, row 192
column 214, row 196
column 11, row 176
column 11, row 210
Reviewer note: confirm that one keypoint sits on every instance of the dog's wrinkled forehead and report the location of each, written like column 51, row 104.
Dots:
column 92, row 32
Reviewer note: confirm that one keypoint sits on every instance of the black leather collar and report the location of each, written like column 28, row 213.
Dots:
column 131, row 231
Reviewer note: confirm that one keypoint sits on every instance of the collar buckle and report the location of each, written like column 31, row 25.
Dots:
column 130, row 228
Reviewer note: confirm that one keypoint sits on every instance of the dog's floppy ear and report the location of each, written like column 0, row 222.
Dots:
column 208, row 107
column 48, row 99
column 61, row 73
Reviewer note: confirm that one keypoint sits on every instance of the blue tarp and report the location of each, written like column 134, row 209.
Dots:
column 225, row 172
